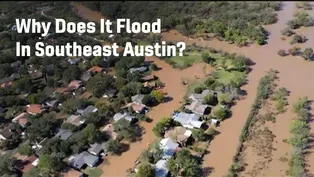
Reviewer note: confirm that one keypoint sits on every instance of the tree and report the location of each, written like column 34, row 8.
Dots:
column 161, row 126
column 5, row 70
column 7, row 164
column 224, row 99
column 34, row 172
column 25, row 149
column 49, row 164
column 92, row 118
column 198, row 90
column 99, row 83
column 125, row 129
column 71, row 73
column 153, row 67
column 294, row 51
column 220, row 113
column 145, row 170
column 198, row 134
column 287, row 32
column 24, row 84
column 158, row 95
column 113, row 146
column 173, row 167
column 210, row 99
column 149, row 100
column 297, row 39
column 207, row 58
column 308, row 53
column 71, row 105
column 36, row 98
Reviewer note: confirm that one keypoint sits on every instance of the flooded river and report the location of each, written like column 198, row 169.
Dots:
column 294, row 73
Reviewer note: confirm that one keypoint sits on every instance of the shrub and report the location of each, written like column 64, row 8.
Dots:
column 287, row 32
column 199, row 90
column 220, row 113
column 294, row 51
column 307, row 54
column 297, row 39
column 282, row 53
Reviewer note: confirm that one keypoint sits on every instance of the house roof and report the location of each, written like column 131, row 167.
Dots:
column 95, row 69
column 52, row 102
column 179, row 134
column 168, row 147
column 87, row 110
column 147, row 78
column 125, row 116
column 75, row 120
column 73, row 85
column 35, row 74
column 84, row 158
column 197, row 107
column 110, row 92
column 139, row 69
column 161, row 169
column 86, row 76
column 96, row 148
column 72, row 173
column 6, row 132
column 21, row 119
column 74, row 60
column 188, row 120
column 64, row 134
column 138, row 107
column 109, row 129
column 26, row 165
column 137, row 98
column 150, row 84
column 60, row 89
column 34, row 108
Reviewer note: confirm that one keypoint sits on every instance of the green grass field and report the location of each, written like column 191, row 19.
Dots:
column 188, row 59
column 225, row 77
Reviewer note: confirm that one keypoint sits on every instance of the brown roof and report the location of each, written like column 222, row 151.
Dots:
column 61, row 90
column 6, row 132
column 137, row 107
column 109, row 130
column 178, row 134
column 148, row 78
column 149, row 84
column 26, row 165
column 73, row 85
column 33, row 108
column 95, row 69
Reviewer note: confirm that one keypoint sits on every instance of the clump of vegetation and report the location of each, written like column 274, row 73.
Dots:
column 298, row 39
column 304, row 5
column 162, row 125
column 300, row 137
column 307, row 54
column 294, row 51
column 302, row 18
column 287, row 32
column 282, row 53
column 280, row 98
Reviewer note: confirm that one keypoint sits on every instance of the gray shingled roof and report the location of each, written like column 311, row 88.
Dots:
column 64, row 134
column 84, row 158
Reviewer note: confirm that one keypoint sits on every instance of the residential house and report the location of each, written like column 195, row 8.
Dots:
column 6, row 133
column 25, row 165
column 200, row 96
column 125, row 116
column 161, row 169
column 179, row 134
column 86, row 76
column 34, row 109
column 63, row 134
column 97, row 148
column 139, row 69
column 150, row 84
column 169, row 147
column 21, row 119
column 109, row 130
column 74, row 85
column 199, row 108
column 109, row 93
column 52, row 103
column 74, row 61
column 35, row 74
column 148, row 78
column 188, row 120
column 82, row 159
column 137, row 98
column 87, row 110
column 95, row 70
column 75, row 120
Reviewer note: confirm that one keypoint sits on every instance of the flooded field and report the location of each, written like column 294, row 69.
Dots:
column 294, row 73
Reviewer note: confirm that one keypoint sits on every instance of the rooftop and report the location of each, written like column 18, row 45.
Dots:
column 34, row 109
column 75, row 120
column 21, row 119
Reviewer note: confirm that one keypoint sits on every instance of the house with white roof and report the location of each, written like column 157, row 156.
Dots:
column 188, row 120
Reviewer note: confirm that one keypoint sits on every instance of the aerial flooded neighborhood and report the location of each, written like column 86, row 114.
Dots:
column 219, row 89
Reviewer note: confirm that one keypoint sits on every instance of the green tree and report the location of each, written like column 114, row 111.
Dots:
column 48, row 164
column 24, row 84
column 308, row 53
column 198, row 134
column 207, row 58
column 158, row 95
column 145, row 170
column 224, row 98
column 71, row 73
column 220, row 113
column 161, row 126
column 126, row 130
column 210, row 99
column 26, row 149
column 173, row 167
column 113, row 146
column 7, row 164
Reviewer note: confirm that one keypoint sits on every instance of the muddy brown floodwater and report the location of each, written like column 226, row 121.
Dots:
column 294, row 73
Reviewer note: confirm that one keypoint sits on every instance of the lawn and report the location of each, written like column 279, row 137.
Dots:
column 225, row 77
column 187, row 60
column 92, row 172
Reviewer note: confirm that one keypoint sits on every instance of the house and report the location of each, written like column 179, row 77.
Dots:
column 169, row 147
column 150, row 84
column 74, row 85
column 75, row 120
column 74, row 61
column 95, row 69
column 21, row 119
column 52, row 103
column 214, row 122
column 82, row 159
column 87, row 110
column 147, row 78
column 188, row 120
column 86, row 76
column 200, row 97
column 109, row 93
column 179, row 134
column 24, row 165
column 6, row 133
column 96, row 149
column 63, row 134
column 34, row 109
column 139, row 69
column 125, row 116
column 198, row 107
column 109, row 130
column 137, row 98
column 138, row 108
column 161, row 169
